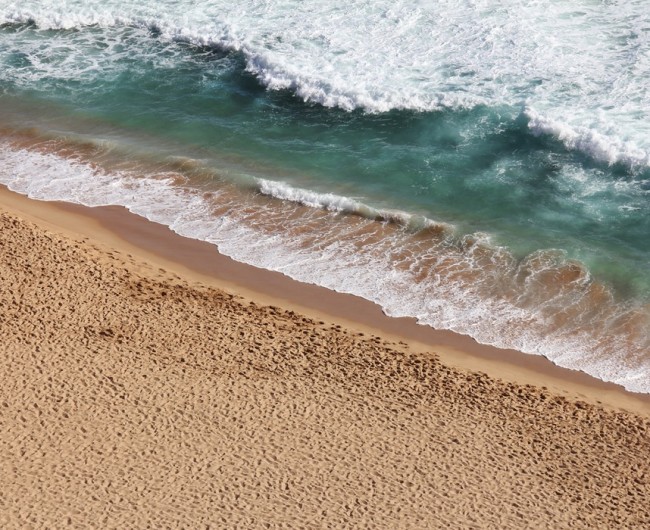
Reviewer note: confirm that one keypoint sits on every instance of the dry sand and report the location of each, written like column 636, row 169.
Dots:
column 136, row 393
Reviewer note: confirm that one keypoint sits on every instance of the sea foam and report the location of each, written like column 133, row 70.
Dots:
column 383, row 56
column 609, row 149
column 544, row 304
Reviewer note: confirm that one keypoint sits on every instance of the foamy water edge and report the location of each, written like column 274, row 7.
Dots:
column 50, row 177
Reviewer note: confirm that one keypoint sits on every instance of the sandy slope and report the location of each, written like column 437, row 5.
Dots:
column 130, row 397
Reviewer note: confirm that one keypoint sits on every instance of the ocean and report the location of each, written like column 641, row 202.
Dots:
column 481, row 166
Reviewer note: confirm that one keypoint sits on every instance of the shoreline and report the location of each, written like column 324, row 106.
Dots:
column 198, row 261
column 139, row 393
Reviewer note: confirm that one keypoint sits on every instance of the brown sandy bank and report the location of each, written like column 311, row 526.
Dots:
column 134, row 392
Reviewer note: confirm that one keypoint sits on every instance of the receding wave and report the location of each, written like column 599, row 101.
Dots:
column 542, row 304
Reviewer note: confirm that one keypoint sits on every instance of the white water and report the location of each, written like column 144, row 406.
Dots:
column 579, row 70
column 340, row 259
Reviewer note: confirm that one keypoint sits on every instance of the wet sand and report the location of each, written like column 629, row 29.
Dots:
column 149, row 381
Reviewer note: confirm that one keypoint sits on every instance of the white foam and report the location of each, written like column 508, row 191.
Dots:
column 337, row 260
column 338, row 203
column 608, row 149
column 580, row 73
column 329, row 201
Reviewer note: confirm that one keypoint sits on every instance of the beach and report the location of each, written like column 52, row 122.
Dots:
column 324, row 265
column 145, row 385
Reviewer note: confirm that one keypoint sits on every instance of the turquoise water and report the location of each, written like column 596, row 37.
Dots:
column 491, row 177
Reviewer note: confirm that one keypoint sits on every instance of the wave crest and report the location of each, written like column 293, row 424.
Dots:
column 600, row 147
column 378, row 58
